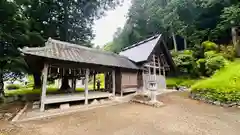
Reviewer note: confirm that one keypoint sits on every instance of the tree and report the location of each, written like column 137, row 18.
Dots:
column 32, row 22
column 13, row 34
column 12, row 64
column 230, row 19
column 194, row 20
column 67, row 20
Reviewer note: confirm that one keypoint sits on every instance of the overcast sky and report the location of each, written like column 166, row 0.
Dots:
column 105, row 27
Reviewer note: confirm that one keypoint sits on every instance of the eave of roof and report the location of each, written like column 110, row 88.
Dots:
column 65, row 51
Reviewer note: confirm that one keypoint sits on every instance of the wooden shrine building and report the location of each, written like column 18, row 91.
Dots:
column 126, row 72
column 153, row 58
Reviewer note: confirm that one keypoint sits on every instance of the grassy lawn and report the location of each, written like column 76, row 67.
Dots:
column 181, row 81
column 23, row 90
column 30, row 90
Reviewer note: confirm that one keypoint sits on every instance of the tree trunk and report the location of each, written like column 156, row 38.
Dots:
column 64, row 28
column 235, row 41
column 94, row 81
column 65, row 37
column 37, row 80
column 185, row 44
column 65, row 84
column 174, row 42
column 1, row 85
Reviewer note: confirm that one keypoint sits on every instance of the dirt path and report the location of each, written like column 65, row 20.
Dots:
column 180, row 116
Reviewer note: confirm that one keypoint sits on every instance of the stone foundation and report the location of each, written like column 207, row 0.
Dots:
column 145, row 99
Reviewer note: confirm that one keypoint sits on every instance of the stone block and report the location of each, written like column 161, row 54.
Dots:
column 35, row 106
column 94, row 102
column 8, row 116
column 1, row 116
column 101, row 101
column 8, row 99
column 232, row 104
column 64, row 106
column 36, row 103
column 217, row 103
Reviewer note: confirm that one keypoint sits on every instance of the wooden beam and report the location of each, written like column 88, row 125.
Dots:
column 114, row 83
column 86, row 86
column 147, row 65
column 44, row 87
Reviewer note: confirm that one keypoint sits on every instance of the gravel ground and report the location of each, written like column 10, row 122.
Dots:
column 179, row 116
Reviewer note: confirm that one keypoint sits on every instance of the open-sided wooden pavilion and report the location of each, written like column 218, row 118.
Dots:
column 70, row 62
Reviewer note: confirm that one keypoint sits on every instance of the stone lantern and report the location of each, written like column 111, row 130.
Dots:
column 152, row 86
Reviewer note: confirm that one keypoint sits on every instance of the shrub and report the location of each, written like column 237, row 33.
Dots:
column 214, row 63
column 174, row 53
column 223, row 86
column 185, row 63
column 13, row 86
column 210, row 54
column 228, row 52
column 189, row 52
column 201, row 66
column 198, row 52
column 209, row 46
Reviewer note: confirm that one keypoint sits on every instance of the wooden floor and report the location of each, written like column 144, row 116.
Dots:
column 58, row 98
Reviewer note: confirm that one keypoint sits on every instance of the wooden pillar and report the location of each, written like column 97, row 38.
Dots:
column 44, row 86
column 114, row 83
column 144, row 81
column 86, row 86
column 94, row 80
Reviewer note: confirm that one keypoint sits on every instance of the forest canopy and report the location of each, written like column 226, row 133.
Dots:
column 193, row 20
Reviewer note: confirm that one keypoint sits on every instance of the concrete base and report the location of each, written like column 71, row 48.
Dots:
column 64, row 106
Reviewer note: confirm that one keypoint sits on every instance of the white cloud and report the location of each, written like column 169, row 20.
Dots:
column 105, row 27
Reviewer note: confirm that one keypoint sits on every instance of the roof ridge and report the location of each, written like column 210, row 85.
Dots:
column 141, row 42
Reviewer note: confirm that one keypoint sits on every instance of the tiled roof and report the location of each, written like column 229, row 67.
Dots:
column 65, row 51
column 140, row 52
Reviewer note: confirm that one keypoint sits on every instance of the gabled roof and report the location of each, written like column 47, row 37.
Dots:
column 140, row 51
column 65, row 51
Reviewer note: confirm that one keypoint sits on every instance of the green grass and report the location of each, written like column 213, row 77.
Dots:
column 25, row 91
column 223, row 86
column 181, row 81
column 50, row 89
